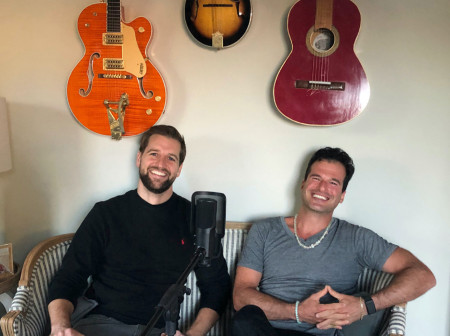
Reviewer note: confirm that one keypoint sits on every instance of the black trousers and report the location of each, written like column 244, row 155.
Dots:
column 251, row 321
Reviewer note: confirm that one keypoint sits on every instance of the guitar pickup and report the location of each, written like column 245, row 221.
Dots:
column 319, row 85
column 112, row 38
column 113, row 64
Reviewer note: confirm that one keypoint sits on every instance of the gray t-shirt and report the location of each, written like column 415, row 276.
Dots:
column 291, row 273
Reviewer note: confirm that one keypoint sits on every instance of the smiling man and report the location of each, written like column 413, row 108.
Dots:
column 297, row 275
column 134, row 246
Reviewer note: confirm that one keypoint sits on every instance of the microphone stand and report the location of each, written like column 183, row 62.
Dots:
column 169, row 305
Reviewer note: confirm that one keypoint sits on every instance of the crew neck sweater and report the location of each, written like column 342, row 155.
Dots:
column 134, row 251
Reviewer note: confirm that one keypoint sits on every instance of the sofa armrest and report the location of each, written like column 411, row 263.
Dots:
column 28, row 314
column 397, row 320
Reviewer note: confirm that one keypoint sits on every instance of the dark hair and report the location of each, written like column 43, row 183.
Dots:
column 167, row 131
column 333, row 154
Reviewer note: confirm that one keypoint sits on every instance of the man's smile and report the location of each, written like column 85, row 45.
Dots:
column 321, row 197
column 157, row 172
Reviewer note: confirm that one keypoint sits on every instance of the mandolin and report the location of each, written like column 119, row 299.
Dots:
column 114, row 89
column 322, row 81
column 218, row 23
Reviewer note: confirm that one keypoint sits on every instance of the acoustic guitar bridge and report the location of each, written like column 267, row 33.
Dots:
column 319, row 85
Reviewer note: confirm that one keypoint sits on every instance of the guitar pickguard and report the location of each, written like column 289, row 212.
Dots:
column 133, row 61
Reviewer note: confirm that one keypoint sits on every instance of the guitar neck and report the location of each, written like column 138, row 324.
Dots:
column 324, row 14
column 113, row 16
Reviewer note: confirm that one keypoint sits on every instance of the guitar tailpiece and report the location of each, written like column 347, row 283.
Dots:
column 116, row 125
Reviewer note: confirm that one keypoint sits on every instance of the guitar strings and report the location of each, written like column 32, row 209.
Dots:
column 320, row 69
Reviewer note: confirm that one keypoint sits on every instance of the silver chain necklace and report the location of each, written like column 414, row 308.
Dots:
column 312, row 245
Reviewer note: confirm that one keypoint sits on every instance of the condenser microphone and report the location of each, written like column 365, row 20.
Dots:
column 208, row 223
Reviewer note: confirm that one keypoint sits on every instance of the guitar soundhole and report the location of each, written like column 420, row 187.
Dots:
column 322, row 42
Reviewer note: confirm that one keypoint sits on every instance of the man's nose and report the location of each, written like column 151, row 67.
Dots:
column 322, row 185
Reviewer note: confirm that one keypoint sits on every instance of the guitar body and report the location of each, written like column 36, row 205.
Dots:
column 218, row 23
column 110, row 71
column 317, row 84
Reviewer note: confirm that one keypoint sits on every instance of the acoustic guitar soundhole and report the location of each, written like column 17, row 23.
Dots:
column 322, row 42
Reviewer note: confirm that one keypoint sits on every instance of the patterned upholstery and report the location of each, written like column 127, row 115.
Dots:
column 232, row 245
column 397, row 321
column 28, row 315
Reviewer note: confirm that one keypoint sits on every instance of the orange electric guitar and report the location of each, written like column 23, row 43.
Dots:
column 114, row 89
column 322, row 81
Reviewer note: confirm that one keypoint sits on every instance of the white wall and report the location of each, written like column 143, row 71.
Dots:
column 238, row 143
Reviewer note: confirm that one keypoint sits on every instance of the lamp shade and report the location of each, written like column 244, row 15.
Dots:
column 5, row 148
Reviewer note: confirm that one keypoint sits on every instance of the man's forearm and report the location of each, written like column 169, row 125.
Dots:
column 407, row 285
column 60, row 311
column 275, row 309
column 206, row 318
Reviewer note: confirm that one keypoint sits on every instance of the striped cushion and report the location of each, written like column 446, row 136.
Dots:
column 397, row 321
column 372, row 281
column 232, row 246
column 32, row 300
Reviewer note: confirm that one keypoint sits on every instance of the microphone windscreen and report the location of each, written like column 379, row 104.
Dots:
column 206, row 213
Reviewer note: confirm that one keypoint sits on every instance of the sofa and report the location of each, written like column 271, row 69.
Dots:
column 28, row 315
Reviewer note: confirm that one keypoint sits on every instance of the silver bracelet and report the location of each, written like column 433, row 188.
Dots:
column 296, row 312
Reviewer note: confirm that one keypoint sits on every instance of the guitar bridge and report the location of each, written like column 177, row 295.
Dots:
column 115, row 76
column 319, row 85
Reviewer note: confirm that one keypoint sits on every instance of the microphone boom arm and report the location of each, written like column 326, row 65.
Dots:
column 172, row 298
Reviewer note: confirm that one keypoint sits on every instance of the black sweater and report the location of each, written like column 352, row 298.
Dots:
column 134, row 252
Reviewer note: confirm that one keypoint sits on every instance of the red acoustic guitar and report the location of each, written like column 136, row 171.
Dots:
column 322, row 81
column 114, row 89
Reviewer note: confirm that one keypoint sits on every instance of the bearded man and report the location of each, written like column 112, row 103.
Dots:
column 134, row 247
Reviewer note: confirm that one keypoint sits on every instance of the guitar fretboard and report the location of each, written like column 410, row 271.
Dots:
column 113, row 16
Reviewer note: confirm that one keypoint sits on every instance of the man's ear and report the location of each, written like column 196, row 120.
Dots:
column 342, row 197
column 138, row 159
column 179, row 170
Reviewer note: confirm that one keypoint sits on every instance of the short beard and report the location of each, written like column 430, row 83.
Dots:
column 150, row 187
